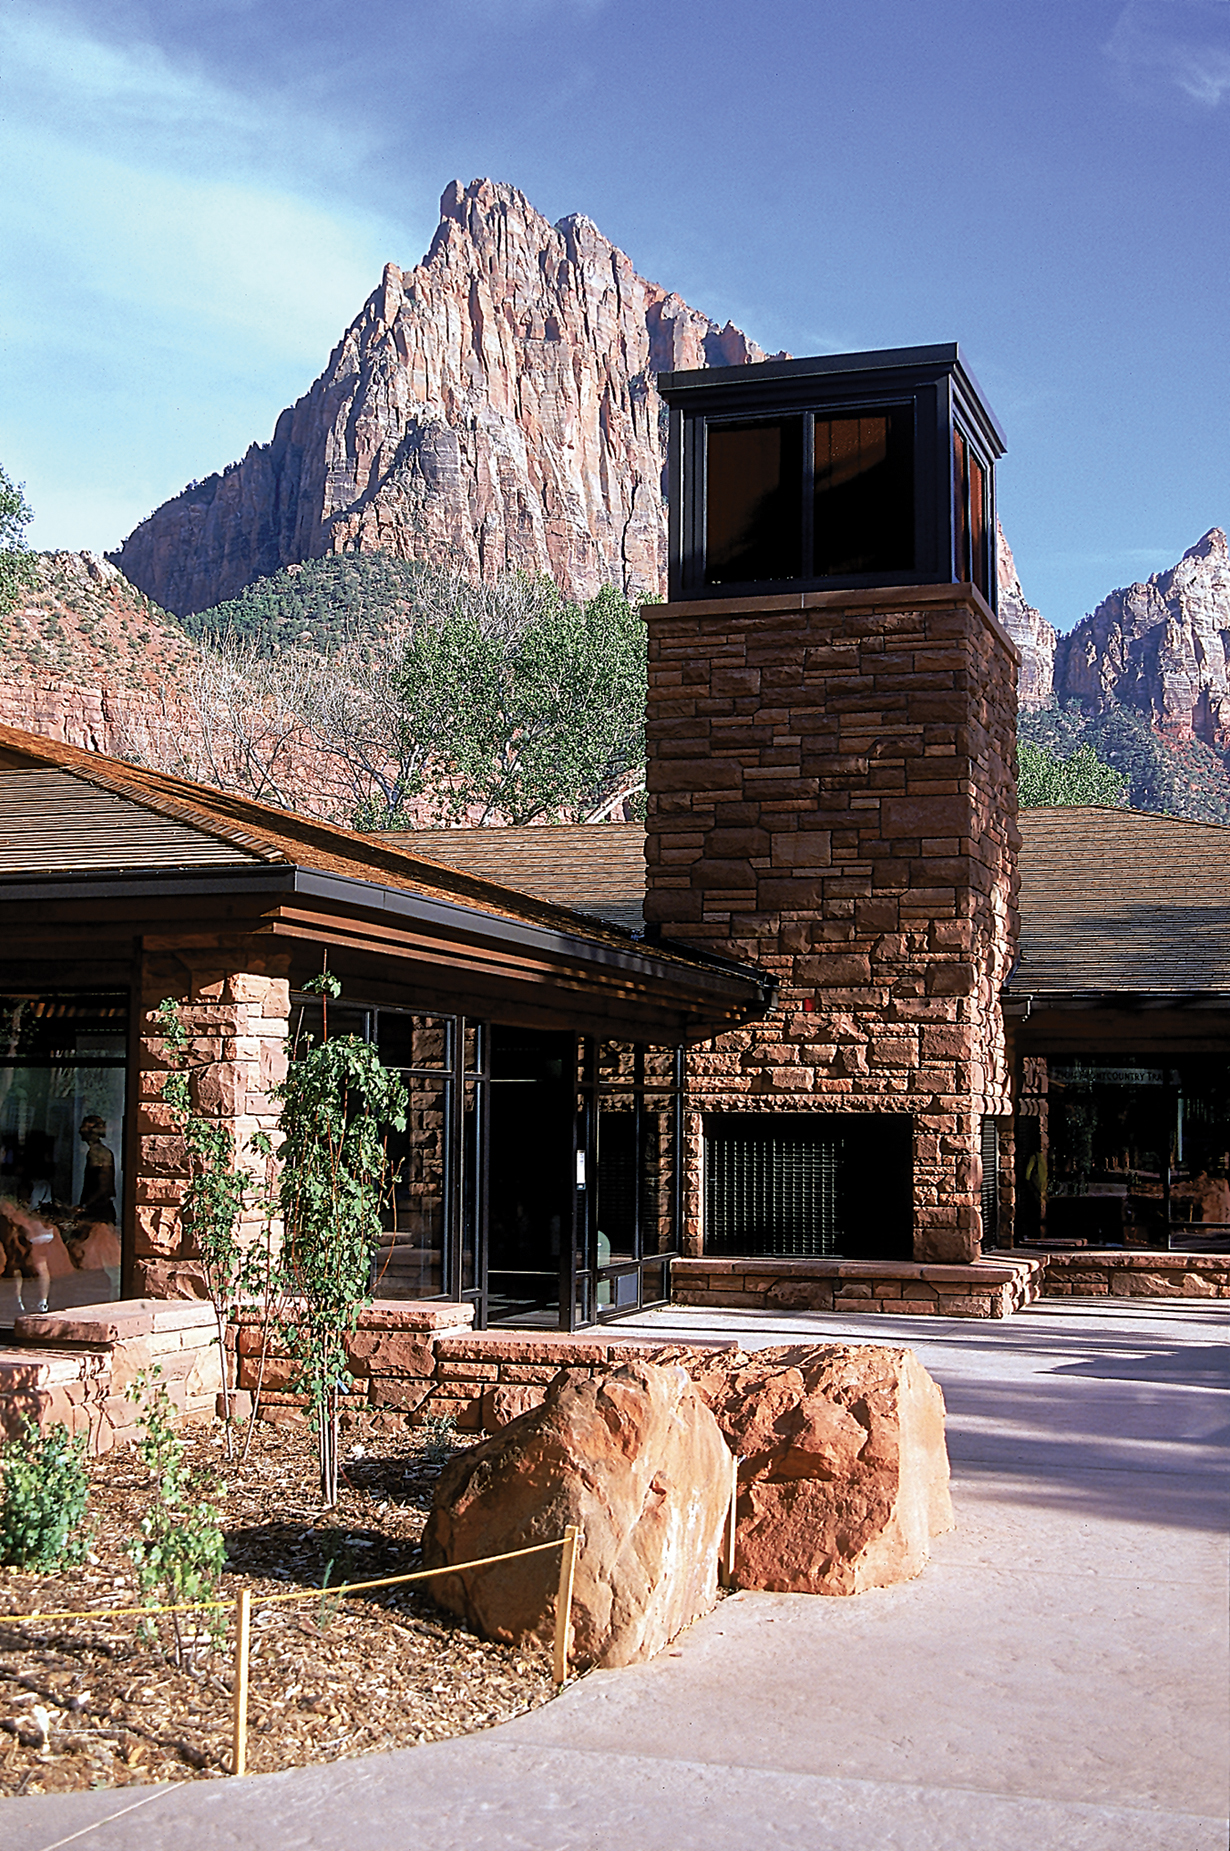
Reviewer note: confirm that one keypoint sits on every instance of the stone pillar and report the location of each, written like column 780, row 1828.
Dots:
column 237, row 1021
column 832, row 795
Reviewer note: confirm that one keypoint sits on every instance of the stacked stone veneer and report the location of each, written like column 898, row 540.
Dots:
column 410, row 1362
column 74, row 1366
column 832, row 796
column 988, row 1288
column 1108, row 1274
column 237, row 1023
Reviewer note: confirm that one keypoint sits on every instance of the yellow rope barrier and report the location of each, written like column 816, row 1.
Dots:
column 568, row 1543
column 268, row 1600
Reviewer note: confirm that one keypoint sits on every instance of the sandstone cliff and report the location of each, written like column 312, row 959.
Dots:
column 87, row 658
column 494, row 408
column 1159, row 648
column 1029, row 630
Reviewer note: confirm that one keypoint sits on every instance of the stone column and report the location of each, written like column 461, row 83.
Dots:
column 832, row 795
column 237, row 1021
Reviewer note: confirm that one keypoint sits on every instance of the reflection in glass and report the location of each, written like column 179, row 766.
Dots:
column 618, row 1171
column 531, row 1176
column 969, row 500
column 413, row 1040
column 653, row 1283
column 1125, row 1152
column 410, row 1263
column 864, row 493
column 62, row 1070
column 754, row 487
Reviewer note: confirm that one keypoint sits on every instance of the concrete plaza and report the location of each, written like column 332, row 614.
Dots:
column 1057, row 1680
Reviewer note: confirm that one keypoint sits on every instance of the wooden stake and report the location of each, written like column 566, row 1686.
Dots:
column 726, row 1564
column 563, row 1600
column 239, row 1683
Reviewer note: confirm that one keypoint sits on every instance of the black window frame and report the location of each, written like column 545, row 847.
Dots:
column 934, row 381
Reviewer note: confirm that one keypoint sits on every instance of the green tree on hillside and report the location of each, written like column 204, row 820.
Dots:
column 16, row 565
column 531, row 706
column 500, row 702
column 1043, row 777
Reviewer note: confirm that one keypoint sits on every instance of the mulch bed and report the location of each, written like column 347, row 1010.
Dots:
column 90, row 1703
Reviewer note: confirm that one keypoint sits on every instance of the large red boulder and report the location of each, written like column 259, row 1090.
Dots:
column 843, row 1475
column 633, row 1457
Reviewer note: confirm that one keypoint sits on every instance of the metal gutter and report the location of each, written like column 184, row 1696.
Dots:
column 1023, row 1003
column 444, row 917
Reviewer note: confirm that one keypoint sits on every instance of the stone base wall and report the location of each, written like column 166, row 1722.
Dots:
column 410, row 1362
column 984, row 1289
column 237, row 1023
column 73, row 1366
column 832, row 797
column 1111, row 1274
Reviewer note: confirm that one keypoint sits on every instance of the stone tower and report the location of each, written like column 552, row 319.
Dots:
column 832, row 796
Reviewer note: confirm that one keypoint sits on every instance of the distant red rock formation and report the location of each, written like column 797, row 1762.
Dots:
column 1160, row 647
column 493, row 409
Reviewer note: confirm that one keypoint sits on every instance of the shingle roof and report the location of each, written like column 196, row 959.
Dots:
column 595, row 868
column 231, row 823
column 1122, row 901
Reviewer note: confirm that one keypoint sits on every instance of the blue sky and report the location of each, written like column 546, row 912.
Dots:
column 200, row 194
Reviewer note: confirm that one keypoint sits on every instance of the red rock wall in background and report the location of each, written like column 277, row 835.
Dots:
column 494, row 408
column 1033, row 635
column 1160, row 647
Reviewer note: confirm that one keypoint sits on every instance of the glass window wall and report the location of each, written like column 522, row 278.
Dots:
column 62, row 1070
column 1128, row 1151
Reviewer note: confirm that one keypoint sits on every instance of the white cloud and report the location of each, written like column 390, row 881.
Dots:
column 178, row 262
column 1187, row 42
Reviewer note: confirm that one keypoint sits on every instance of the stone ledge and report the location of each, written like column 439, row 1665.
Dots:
column 400, row 1314
column 999, row 1271
column 109, row 1324
column 1135, row 1260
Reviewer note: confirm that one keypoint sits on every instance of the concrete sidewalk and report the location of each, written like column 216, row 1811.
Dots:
column 1057, row 1680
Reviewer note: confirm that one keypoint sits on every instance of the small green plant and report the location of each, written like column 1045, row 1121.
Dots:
column 180, row 1553
column 437, row 1436
column 44, row 1498
column 338, row 1105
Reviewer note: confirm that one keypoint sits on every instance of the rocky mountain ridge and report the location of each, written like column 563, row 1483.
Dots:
column 1161, row 647
column 492, row 409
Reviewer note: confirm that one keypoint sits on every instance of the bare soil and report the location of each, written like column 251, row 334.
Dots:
column 92, row 1703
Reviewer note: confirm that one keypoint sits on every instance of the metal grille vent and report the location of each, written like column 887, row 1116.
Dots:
column 773, row 1192
column 989, row 1152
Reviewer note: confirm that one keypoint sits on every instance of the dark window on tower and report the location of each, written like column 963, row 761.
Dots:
column 809, row 1185
column 969, row 499
column 864, row 493
column 753, row 523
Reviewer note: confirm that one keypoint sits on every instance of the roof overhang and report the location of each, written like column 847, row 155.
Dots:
column 1021, row 1004
column 673, row 988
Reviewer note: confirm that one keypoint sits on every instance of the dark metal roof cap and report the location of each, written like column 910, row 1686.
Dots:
column 942, row 357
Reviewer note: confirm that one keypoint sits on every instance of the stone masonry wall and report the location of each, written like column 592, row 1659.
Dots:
column 832, row 796
column 74, row 1366
column 237, row 1022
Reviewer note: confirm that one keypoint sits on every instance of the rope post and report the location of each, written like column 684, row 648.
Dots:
column 563, row 1600
column 726, row 1564
column 239, row 1683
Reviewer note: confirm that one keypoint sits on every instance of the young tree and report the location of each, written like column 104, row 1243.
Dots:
column 1045, row 778
column 338, row 1106
column 533, row 707
column 16, row 565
